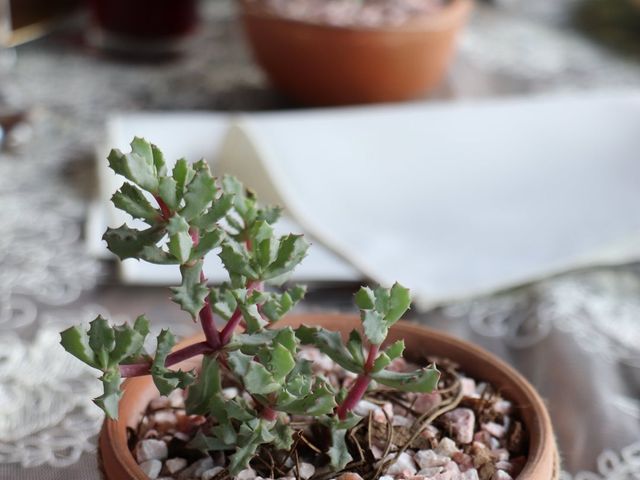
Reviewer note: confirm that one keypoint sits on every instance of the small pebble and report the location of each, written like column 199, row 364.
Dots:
column 446, row 447
column 471, row 474
column 151, row 449
column 430, row 472
column 495, row 429
column 403, row 465
column 468, row 386
column 196, row 469
column 352, row 476
column 429, row 459
column 246, row 474
column 425, row 402
column 501, row 475
column 401, row 421
column 151, row 468
column 174, row 465
column 159, row 403
column 306, row 470
column 500, row 454
column 212, row 472
column 502, row 406
column 462, row 421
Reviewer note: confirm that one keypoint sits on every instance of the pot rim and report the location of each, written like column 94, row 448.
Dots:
column 114, row 432
column 446, row 17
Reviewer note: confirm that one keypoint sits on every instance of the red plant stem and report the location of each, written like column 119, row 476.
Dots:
column 206, row 314
column 139, row 369
column 268, row 413
column 360, row 386
column 229, row 328
column 209, row 325
column 371, row 357
column 164, row 208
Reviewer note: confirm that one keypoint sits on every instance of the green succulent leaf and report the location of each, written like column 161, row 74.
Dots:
column 207, row 386
column 283, row 436
column 329, row 343
column 255, row 376
column 424, row 380
column 252, row 318
column 269, row 214
column 192, row 293
column 218, row 210
column 380, row 309
column 339, row 452
column 168, row 192
column 182, row 173
column 200, row 192
column 388, row 355
column 167, row 380
column 110, row 399
column 129, row 342
column 291, row 250
column 365, row 298
column 375, row 328
column 130, row 199
column 158, row 161
column 180, row 242
column 208, row 241
column 278, row 305
column 252, row 435
column 76, row 341
column 155, row 254
column 223, row 302
column 128, row 242
column 399, row 303
column 355, row 347
column 137, row 166
column 320, row 402
column 282, row 362
column 101, row 340
column 236, row 259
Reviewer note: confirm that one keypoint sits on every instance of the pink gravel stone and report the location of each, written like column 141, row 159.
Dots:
column 446, row 447
column 426, row 401
column 151, row 450
column 500, row 454
column 502, row 406
column 403, row 466
column 495, row 429
column 398, row 365
column 501, row 475
column 429, row 459
column 151, row 468
column 462, row 421
column 471, row 474
column 464, row 461
column 349, row 476
column 174, row 465
column 468, row 386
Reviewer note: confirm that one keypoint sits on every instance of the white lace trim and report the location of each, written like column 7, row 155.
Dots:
column 45, row 399
column 624, row 465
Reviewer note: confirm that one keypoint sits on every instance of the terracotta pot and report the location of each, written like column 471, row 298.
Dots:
column 327, row 65
column 119, row 464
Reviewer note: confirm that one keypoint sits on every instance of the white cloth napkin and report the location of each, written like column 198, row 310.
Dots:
column 452, row 200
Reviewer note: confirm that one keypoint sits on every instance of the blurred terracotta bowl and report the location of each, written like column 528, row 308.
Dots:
column 327, row 65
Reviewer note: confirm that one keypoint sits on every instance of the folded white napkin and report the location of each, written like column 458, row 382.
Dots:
column 450, row 199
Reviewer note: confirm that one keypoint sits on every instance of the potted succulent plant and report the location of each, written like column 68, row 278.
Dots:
column 302, row 397
column 329, row 52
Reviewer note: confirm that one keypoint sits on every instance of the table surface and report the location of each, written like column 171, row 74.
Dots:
column 576, row 337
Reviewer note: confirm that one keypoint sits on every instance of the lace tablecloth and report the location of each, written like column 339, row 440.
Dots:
column 576, row 337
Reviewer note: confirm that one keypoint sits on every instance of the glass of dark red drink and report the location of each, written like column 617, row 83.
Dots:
column 145, row 27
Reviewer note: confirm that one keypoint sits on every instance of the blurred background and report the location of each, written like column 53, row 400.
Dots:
column 73, row 72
